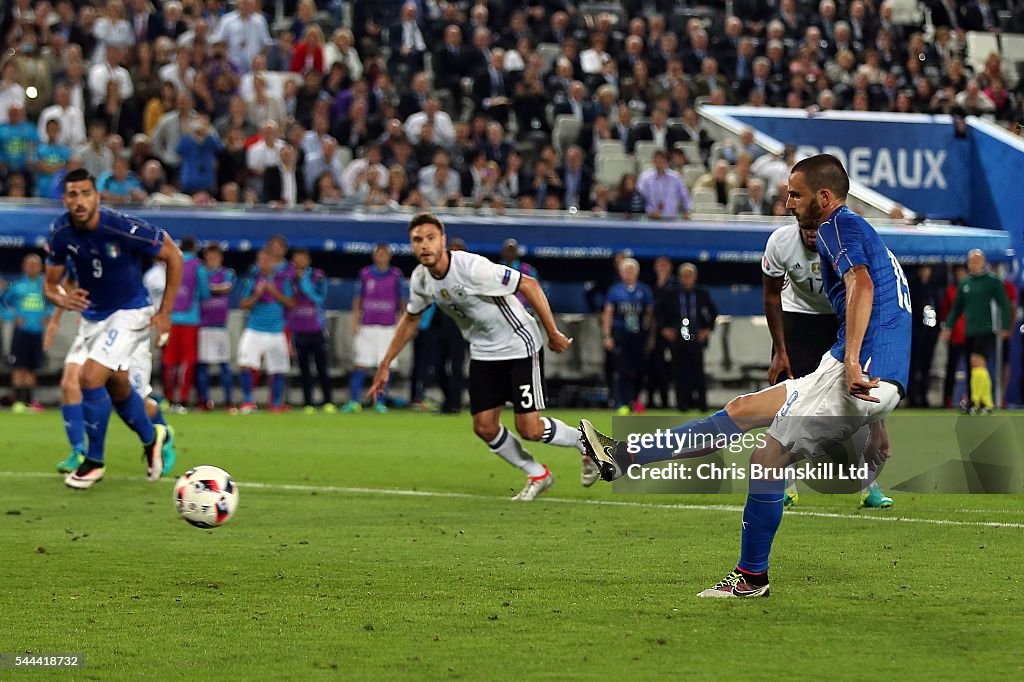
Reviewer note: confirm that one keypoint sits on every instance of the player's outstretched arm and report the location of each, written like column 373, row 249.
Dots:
column 860, row 294
column 170, row 256
column 773, row 314
column 404, row 332
column 557, row 341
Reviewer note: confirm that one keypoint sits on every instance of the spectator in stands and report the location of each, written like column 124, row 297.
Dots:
column 237, row 117
column 324, row 160
column 496, row 148
column 71, row 120
column 529, row 102
column 493, row 88
column 626, row 327
column 309, row 53
column 263, row 106
column 774, row 168
column 119, row 185
column 283, row 183
column 33, row 72
column 112, row 31
column 515, row 180
column 179, row 72
column 168, row 132
column 120, row 116
column 444, row 129
column 971, row 101
column 94, row 155
column 408, row 46
column 246, row 32
column 326, row 191
column 341, row 50
column 639, row 90
column 664, row 192
column 577, row 180
column 166, row 23
column 439, row 184
column 755, row 203
column 266, row 152
column 357, row 170
column 156, row 107
column 51, row 159
column 657, row 131
column 358, row 129
column 110, row 69
column 717, row 181
column 18, row 142
column 628, row 198
column 198, row 149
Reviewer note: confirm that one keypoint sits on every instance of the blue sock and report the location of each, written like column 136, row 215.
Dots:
column 708, row 431
column 245, row 378
column 133, row 413
column 158, row 418
column 203, row 382
column 74, row 424
column 355, row 384
column 226, row 382
column 96, row 410
column 277, row 386
column 761, row 518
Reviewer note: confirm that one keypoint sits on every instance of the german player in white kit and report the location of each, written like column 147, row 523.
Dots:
column 506, row 361
column 803, row 324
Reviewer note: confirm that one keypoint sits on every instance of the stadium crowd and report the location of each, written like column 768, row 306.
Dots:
column 454, row 103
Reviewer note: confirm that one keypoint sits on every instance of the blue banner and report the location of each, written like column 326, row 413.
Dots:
column 577, row 238
column 917, row 160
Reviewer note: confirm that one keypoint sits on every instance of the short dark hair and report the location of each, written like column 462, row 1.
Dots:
column 425, row 219
column 824, row 171
column 302, row 249
column 79, row 175
column 278, row 238
column 188, row 244
column 212, row 247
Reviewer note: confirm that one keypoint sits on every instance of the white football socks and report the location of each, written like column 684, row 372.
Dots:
column 557, row 432
column 508, row 447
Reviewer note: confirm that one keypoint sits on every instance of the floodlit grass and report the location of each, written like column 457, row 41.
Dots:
column 323, row 572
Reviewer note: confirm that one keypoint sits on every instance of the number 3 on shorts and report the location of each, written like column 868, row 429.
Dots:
column 526, row 402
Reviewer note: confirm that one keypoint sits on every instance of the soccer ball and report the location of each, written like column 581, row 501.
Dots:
column 206, row 496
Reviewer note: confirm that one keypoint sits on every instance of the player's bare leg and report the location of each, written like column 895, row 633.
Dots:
column 74, row 423
column 741, row 414
column 533, row 426
column 502, row 442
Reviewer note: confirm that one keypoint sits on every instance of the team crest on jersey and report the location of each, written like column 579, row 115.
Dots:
column 445, row 295
column 816, row 268
column 370, row 286
column 113, row 250
column 459, row 291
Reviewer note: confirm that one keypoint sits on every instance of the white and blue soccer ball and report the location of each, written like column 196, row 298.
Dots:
column 206, row 496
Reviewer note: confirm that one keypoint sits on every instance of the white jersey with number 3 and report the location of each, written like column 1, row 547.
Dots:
column 786, row 256
column 478, row 295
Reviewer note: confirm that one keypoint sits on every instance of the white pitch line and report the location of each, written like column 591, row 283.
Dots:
column 564, row 500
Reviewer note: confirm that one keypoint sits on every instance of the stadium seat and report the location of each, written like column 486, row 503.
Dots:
column 736, row 196
column 548, row 53
column 692, row 151
column 692, row 172
column 567, row 129
column 703, row 197
column 980, row 45
column 1013, row 47
column 907, row 12
column 611, row 168
column 644, row 151
column 611, row 147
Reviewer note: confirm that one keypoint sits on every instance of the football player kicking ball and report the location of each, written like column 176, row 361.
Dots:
column 801, row 321
column 505, row 347
column 871, row 299
column 106, row 247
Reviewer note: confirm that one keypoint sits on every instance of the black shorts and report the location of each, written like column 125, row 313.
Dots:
column 808, row 337
column 26, row 350
column 983, row 344
column 492, row 383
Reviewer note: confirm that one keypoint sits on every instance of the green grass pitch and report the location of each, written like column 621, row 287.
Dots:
column 383, row 546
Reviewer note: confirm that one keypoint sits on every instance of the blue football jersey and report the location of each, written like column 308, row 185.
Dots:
column 629, row 305
column 106, row 260
column 846, row 240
